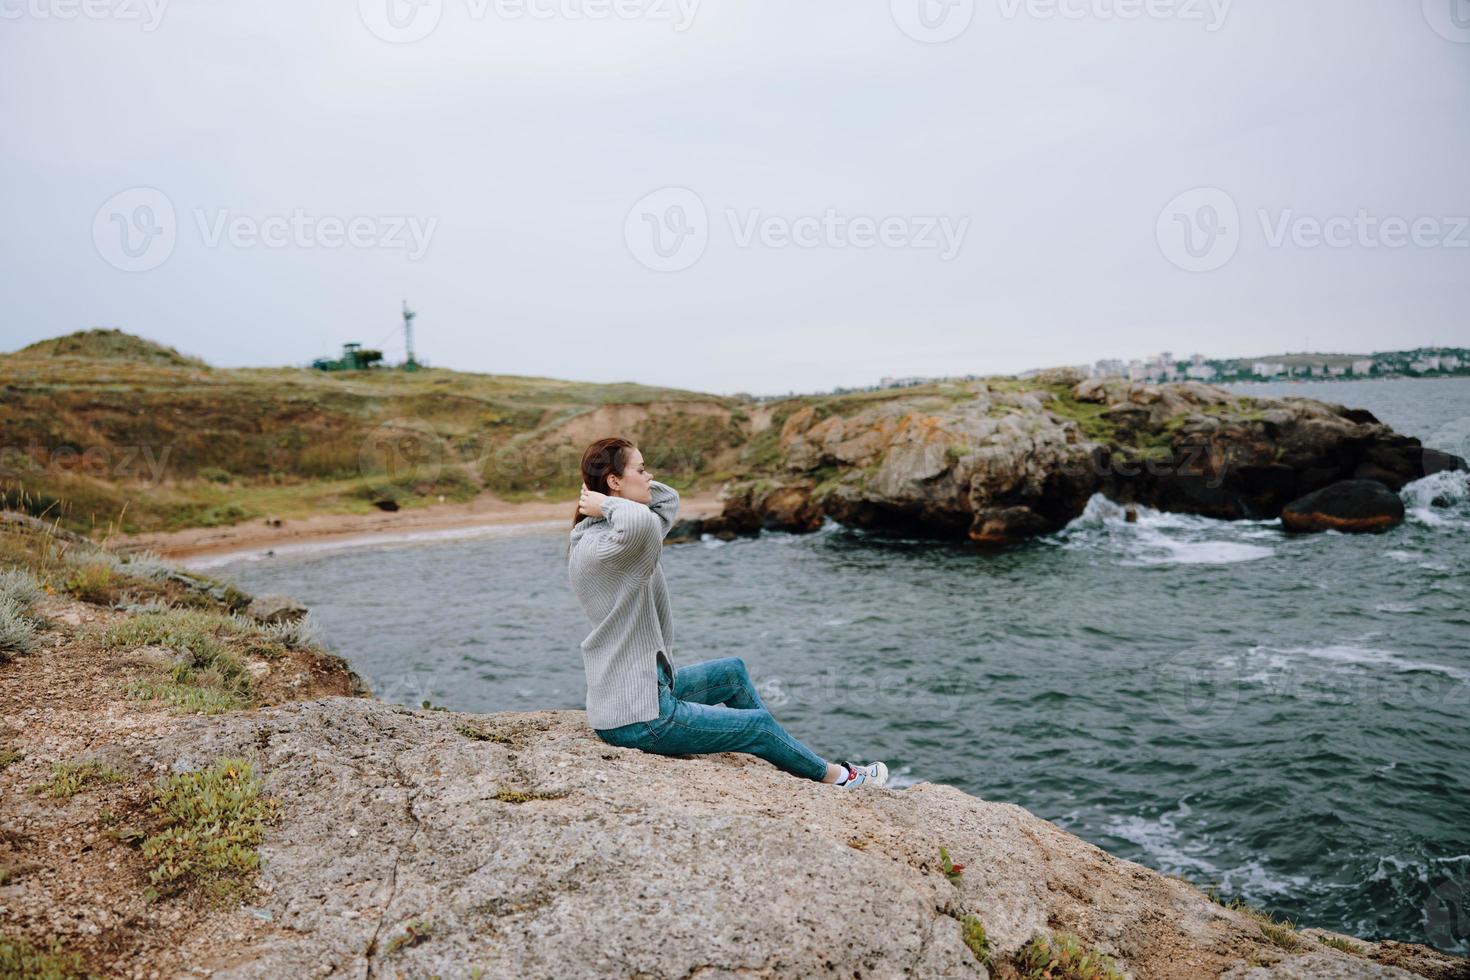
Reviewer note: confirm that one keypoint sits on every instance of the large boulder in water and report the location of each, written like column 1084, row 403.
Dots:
column 1348, row 505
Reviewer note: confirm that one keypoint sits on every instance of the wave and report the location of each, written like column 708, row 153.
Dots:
column 1356, row 656
column 1169, row 850
column 903, row 778
column 1158, row 537
column 1438, row 500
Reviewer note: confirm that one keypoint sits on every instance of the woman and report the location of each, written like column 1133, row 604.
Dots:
column 635, row 696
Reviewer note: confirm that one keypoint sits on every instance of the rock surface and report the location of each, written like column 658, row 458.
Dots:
column 275, row 608
column 419, row 843
column 1353, row 506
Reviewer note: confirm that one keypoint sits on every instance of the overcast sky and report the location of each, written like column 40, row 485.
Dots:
column 758, row 196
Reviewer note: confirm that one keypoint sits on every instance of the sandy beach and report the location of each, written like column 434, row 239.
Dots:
column 487, row 515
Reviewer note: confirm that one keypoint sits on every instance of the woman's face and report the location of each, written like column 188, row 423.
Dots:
column 633, row 484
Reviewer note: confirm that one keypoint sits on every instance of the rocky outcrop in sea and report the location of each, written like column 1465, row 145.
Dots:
column 1002, row 460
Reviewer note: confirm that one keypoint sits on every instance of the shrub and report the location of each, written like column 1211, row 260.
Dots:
column 17, row 630
column 91, row 581
column 213, row 819
column 196, row 632
column 149, row 565
column 298, row 634
column 221, row 514
column 19, row 586
column 211, row 679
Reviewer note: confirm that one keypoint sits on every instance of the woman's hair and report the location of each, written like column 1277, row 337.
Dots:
column 603, row 458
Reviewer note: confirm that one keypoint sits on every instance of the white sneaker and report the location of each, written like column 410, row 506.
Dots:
column 875, row 774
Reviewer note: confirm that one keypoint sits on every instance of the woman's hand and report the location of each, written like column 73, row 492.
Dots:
column 590, row 503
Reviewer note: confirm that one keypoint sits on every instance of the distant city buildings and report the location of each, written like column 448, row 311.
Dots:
column 1163, row 366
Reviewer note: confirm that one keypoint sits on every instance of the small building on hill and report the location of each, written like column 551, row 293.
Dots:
column 354, row 358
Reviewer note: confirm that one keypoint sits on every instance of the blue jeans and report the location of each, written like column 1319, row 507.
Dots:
column 714, row 707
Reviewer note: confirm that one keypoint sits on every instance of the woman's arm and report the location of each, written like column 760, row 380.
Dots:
column 636, row 538
column 665, row 504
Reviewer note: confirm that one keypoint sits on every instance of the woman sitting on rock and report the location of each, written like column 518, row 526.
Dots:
column 635, row 696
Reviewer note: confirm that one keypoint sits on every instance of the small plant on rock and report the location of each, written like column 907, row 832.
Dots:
column 526, row 796
column 1062, row 957
column 213, row 819
column 414, row 932
column 70, row 778
column 972, row 931
column 952, row 871
column 19, row 958
column 1337, row 942
column 1280, row 932
column 480, row 735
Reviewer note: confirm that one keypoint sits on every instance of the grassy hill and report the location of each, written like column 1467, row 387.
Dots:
column 101, row 428
column 108, row 345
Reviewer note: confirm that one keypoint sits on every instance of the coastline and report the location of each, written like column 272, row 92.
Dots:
column 1330, row 380
column 486, row 515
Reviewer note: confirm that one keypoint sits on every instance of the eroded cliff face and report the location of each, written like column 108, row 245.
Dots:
column 1001, row 461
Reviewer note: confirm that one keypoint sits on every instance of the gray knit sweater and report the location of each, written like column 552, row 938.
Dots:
column 615, row 570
